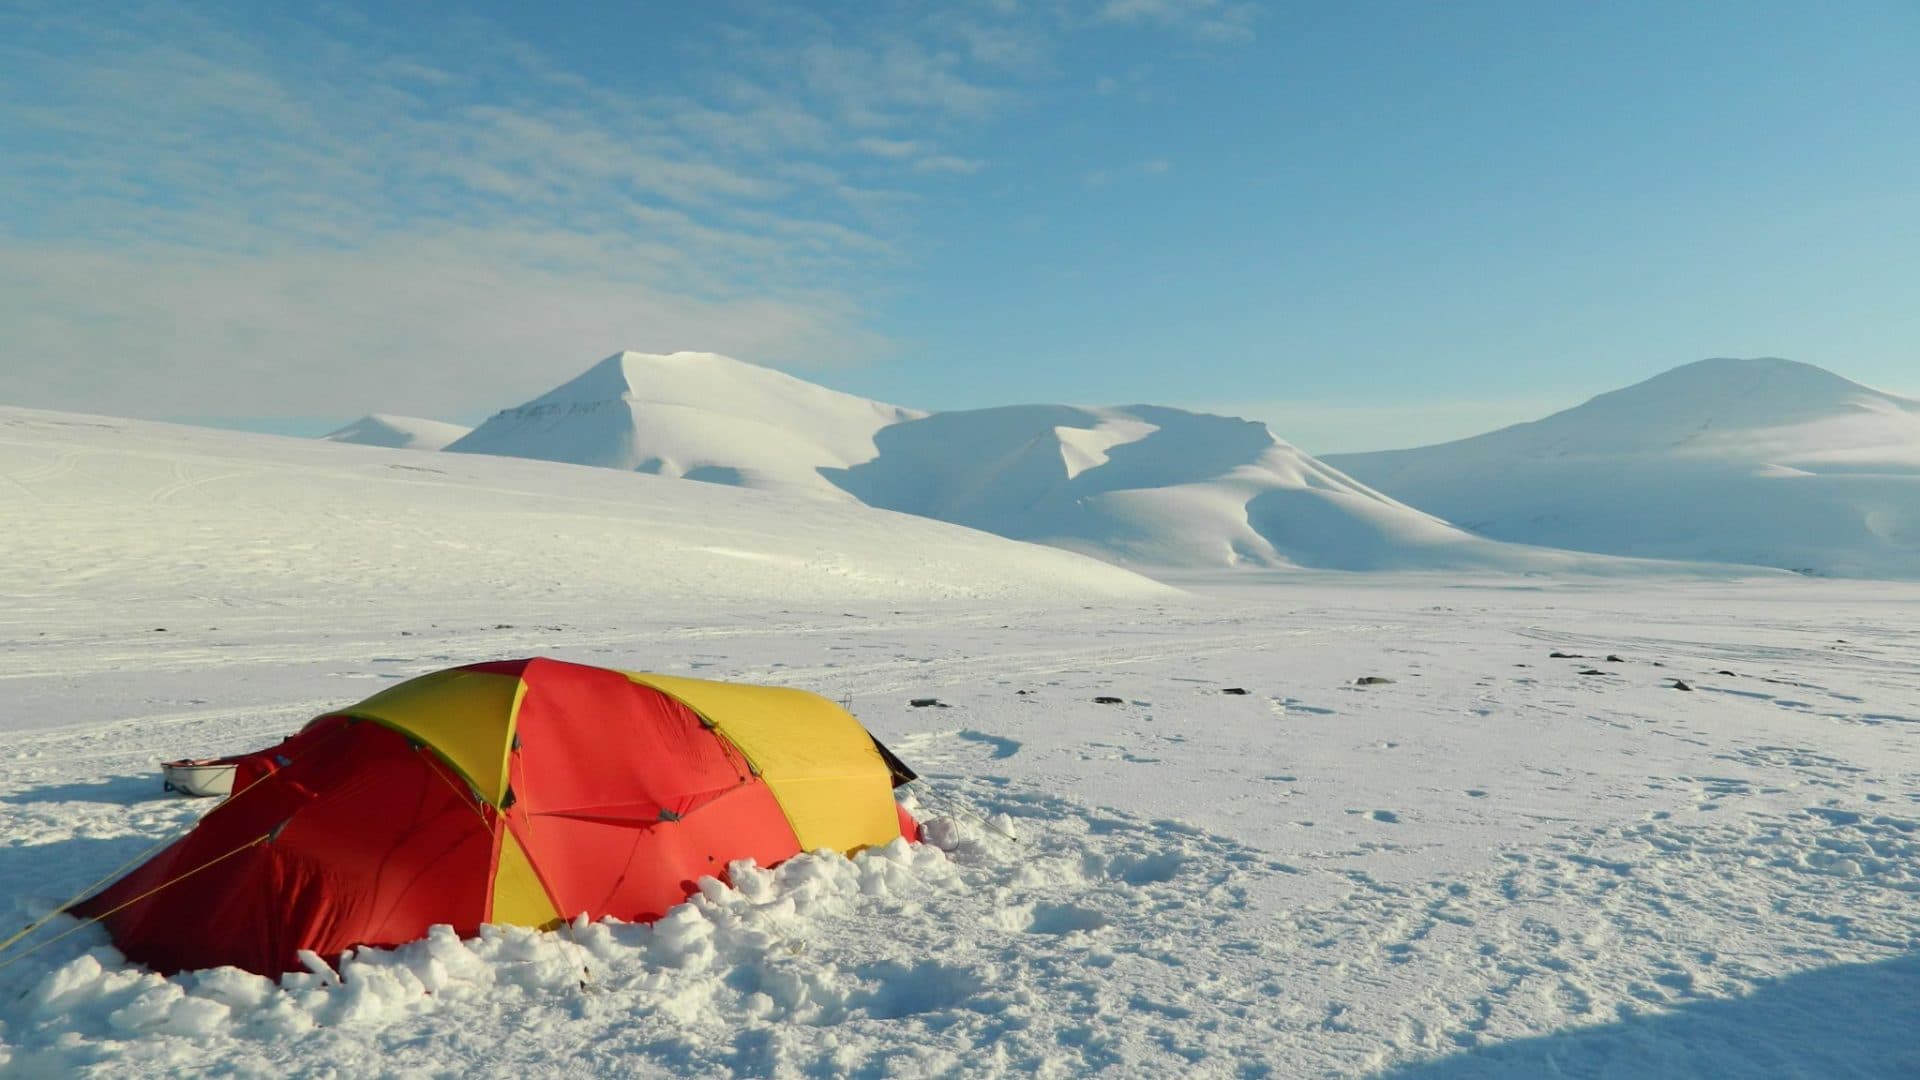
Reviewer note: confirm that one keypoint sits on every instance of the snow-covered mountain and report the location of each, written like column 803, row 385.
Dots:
column 398, row 432
column 1151, row 485
column 698, row 416
column 1766, row 461
column 1140, row 484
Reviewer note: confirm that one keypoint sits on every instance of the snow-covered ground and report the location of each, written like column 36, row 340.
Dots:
column 1497, row 863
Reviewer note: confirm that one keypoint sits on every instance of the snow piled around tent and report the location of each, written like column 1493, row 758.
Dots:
column 1096, row 942
column 731, row 955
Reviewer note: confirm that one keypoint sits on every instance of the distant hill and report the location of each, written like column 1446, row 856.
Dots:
column 1140, row 484
column 1767, row 462
column 398, row 432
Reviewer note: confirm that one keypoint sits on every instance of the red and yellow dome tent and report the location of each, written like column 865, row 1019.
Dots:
column 524, row 792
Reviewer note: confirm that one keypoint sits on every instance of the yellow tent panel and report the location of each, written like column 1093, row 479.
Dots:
column 466, row 716
column 819, row 762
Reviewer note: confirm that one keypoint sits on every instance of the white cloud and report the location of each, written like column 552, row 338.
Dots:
column 887, row 148
column 1221, row 21
column 948, row 163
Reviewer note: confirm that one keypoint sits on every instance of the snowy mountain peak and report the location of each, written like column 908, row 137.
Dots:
column 1726, row 393
column 399, row 432
column 700, row 416
column 673, row 378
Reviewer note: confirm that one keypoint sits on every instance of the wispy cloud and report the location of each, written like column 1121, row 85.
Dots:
column 1209, row 20
column 195, row 200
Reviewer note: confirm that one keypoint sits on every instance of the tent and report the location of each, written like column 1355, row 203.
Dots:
column 522, row 792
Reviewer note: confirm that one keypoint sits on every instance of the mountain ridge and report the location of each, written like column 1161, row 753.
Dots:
column 1136, row 484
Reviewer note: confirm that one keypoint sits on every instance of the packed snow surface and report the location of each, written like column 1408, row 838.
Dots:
column 1768, row 462
column 398, row 432
column 1484, row 860
column 1140, row 485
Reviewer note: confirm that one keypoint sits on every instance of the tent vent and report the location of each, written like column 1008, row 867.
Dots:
column 668, row 815
column 901, row 774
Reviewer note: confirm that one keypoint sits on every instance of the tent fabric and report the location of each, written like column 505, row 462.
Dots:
column 523, row 792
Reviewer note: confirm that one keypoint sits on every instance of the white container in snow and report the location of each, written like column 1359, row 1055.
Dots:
column 207, row 776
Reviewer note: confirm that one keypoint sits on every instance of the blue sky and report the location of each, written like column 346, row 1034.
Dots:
column 1372, row 223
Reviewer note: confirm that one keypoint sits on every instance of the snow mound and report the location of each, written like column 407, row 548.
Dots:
column 698, row 416
column 117, row 512
column 1767, row 462
column 398, row 432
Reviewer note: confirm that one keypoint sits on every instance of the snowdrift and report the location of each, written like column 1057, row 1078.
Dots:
column 1765, row 462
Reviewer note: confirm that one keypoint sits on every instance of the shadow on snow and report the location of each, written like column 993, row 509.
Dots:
column 1848, row 1020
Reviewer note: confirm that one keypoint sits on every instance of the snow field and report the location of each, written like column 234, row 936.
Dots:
column 1487, row 860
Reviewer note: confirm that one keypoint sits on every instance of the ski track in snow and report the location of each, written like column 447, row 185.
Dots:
column 1491, row 864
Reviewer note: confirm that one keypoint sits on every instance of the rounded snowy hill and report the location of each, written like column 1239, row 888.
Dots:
column 698, row 416
column 398, row 432
column 1767, row 462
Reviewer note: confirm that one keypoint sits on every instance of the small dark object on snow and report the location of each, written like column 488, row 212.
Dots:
column 1591, row 671
column 1726, row 673
column 1023, row 691
column 159, row 629
column 1233, row 690
column 1680, row 684
column 923, row 702
column 1106, row 701
column 1558, row 655
column 1612, row 659
column 1657, row 663
column 1371, row 680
